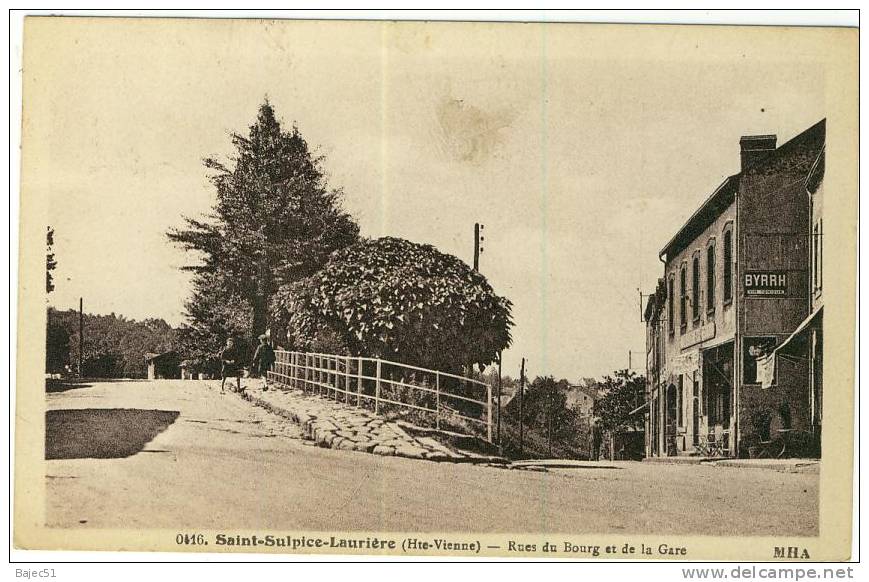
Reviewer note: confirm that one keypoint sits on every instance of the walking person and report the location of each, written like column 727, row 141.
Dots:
column 230, row 364
column 263, row 359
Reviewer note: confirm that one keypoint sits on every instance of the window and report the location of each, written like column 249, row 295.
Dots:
column 710, row 278
column 820, row 252
column 817, row 255
column 671, row 300
column 683, row 298
column 728, row 266
column 695, row 288
column 680, row 421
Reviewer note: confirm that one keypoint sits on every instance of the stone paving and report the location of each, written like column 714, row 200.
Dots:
column 342, row 426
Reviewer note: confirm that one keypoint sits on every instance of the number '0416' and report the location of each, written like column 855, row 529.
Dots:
column 188, row 539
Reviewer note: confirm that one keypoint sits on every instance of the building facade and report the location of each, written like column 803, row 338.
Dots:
column 581, row 398
column 737, row 284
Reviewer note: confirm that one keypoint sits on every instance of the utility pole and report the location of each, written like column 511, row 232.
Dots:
column 80, row 335
column 521, row 405
column 477, row 248
column 549, row 431
column 642, row 295
column 498, row 430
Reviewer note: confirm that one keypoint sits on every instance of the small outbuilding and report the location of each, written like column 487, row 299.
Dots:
column 163, row 366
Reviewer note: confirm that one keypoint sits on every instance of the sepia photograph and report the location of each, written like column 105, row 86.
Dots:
column 468, row 289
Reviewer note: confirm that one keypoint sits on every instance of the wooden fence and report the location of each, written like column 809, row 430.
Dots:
column 376, row 384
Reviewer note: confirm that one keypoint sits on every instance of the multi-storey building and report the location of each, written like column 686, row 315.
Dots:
column 737, row 284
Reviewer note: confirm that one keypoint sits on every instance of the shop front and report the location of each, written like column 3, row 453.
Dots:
column 715, row 435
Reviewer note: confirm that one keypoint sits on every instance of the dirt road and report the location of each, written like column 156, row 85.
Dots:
column 172, row 454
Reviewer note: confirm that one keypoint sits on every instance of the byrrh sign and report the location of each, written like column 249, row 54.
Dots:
column 766, row 283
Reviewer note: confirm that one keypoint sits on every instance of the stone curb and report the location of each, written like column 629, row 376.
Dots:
column 678, row 460
column 327, row 434
column 784, row 465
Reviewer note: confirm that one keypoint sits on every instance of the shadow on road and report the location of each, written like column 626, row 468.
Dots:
column 64, row 384
column 54, row 385
column 102, row 433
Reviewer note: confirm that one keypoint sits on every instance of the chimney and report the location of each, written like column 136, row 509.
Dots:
column 754, row 148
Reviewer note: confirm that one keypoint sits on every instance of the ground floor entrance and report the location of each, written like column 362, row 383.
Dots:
column 716, row 423
column 691, row 413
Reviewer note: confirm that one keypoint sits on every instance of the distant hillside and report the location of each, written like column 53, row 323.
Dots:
column 114, row 346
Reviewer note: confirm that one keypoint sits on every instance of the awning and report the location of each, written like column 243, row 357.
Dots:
column 794, row 344
column 638, row 409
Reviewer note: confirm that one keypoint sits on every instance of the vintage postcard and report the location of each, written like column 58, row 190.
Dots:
column 518, row 290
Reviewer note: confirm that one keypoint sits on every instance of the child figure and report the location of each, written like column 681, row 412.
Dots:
column 230, row 364
column 263, row 359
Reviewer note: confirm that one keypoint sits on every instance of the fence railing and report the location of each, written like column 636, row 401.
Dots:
column 382, row 385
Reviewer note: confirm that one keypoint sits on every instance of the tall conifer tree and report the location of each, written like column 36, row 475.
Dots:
column 276, row 220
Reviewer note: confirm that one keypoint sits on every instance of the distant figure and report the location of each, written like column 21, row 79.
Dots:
column 230, row 364
column 263, row 359
column 596, row 439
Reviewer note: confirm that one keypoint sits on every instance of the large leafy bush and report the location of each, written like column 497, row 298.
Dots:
column 398, row 300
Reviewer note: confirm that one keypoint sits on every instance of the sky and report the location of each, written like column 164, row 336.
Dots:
column 581, row 149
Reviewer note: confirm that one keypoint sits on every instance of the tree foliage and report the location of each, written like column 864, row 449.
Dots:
column 545, row 404
column 620, row 394
column 551, row 426
column 214, row 313
column 114, row 346
column 398, row 300
column 57, row 352
column 275, row 221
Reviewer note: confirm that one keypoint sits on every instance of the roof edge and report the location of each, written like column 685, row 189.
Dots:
column 697, row 213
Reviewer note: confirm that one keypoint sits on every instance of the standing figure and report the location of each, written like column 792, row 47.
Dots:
column 596, row 439
column 263, row 359
column 230, row 364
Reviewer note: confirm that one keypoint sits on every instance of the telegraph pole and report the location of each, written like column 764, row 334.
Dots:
column 549, row 428
column 477, row 248
column 80, row 335
column 498, row 433
column 521, row 405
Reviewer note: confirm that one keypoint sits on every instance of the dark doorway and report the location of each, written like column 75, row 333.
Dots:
column 718, row 391
column 695, row 409
column 670, row 421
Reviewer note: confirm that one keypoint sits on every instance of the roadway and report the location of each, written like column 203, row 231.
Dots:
column 173, row 454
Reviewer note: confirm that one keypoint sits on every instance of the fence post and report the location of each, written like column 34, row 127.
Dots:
column 346, row 379
column 377, row 390
column 334, row 380
column 307, row 372
column 359, row 382
column 489, row 411
column 438, row 400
